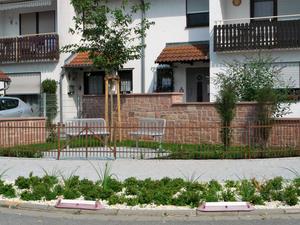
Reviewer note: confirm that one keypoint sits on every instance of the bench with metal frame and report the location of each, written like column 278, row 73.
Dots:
column 152, row 127
column 95, row 127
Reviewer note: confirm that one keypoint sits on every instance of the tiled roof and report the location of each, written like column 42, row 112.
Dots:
column 183, row 53
column 80, row 59
column 4, row 77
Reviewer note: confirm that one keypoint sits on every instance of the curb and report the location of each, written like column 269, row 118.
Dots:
column 144, row 212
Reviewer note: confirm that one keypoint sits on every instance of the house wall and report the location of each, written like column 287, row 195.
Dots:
column 49, row 70
column 170, row 26
column 10, row 19
column 285, row 7
column 224, row 9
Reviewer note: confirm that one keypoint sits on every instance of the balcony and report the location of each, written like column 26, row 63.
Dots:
column 29, row 48
column 257, row 35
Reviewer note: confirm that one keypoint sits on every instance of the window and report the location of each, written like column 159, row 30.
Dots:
column 125, row 81
column 263, row 8
column 38, row 22
column 197, row 13
column 94, row 82
column 6, row 104
column 165, row 80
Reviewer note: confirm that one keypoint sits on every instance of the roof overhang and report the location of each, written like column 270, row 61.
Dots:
column 11, row 5
column 183, row 53
column 79, row 60
column 4, row 77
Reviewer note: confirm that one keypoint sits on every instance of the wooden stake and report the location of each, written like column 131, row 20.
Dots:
column 119, row 107
column 106, row 101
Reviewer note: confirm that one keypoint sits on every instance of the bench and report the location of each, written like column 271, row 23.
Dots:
column 82, row 127
column 152, row 127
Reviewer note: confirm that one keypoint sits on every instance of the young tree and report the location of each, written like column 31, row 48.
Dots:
column 255, row 74
column 109, row 32
column 225, row 105
column 259, row 79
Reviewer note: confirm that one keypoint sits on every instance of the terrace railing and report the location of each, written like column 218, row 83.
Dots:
column 29, row 48
column 257, row 35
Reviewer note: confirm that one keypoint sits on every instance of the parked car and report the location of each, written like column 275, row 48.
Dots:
column 14, row 107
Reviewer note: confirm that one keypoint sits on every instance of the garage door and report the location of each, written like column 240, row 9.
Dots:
column 27, row 83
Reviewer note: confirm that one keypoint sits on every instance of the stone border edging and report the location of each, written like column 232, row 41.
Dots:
column 143, row 212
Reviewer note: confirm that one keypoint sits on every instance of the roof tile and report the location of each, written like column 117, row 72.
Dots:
column 183, row 53
column 80, row 59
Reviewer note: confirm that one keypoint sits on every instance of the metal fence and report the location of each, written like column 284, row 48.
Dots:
column 88, row 141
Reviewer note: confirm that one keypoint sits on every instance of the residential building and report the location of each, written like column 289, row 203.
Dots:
column 186, row 47
column 245, row 28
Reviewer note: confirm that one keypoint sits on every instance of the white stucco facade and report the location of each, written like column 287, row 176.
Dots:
column 224, row 12
column 170, row 26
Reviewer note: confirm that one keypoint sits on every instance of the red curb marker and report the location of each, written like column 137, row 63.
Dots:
column 226, row 207
column 78, row 204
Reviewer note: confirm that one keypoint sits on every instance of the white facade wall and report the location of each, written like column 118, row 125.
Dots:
column 170, row 27
column 223, row 10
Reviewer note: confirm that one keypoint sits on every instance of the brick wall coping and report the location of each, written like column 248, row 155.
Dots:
column 141, row 94
column 287, row 119
column 22, row 119
column 209, row 103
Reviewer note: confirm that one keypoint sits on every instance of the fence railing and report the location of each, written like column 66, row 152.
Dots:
column 177, row 142
column 257, row 35
column 31, row 48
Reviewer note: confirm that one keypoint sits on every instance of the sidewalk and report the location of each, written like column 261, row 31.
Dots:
column 157, row 169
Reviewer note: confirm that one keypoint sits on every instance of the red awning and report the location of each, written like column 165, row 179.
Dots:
column 184, row 53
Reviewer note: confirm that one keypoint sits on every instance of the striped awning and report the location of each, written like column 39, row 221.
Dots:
column 10, row 5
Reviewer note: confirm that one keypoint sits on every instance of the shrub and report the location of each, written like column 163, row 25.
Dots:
column 50, row 87
column 22, row 183
column 7, row 190
column 290, row 196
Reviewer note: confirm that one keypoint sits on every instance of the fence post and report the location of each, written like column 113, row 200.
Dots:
column 115, row 141
column 86, row 140
column 249, row 140
column 58, row 141
column 44, row 104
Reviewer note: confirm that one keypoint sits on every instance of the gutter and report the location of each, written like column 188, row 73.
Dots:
column 61, row 77
column 143, row 51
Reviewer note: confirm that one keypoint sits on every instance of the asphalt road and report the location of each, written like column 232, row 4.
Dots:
column 20, row 217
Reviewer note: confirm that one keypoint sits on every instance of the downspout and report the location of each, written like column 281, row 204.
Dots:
column 61, row 77
column 6, row 86
column 143, row 50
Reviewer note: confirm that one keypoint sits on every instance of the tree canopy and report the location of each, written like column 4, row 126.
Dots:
column 109, row 31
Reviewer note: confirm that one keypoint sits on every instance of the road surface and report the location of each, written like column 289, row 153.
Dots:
column 21, row 217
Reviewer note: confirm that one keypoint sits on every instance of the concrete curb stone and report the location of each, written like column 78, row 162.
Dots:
column 144, row 212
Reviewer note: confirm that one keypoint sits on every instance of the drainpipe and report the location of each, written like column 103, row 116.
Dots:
column 61, row 77
column 143, row 51
column 6, row 86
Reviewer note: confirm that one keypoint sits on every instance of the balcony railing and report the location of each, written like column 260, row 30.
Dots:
column 31, row 48
column 257, row 35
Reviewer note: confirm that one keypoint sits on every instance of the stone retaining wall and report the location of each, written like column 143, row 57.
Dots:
column 184, row 119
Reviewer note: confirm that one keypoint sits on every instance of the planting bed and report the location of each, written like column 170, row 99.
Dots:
column 154, row 194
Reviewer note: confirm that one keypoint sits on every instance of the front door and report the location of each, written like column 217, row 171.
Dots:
column 197, row 84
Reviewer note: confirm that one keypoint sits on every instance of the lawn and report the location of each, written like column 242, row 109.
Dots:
column 175, row 151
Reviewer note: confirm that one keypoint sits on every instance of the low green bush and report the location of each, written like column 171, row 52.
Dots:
column 166, row 191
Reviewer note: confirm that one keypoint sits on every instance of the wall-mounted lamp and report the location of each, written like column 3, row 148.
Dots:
column 236, row 2
column 71, row 90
